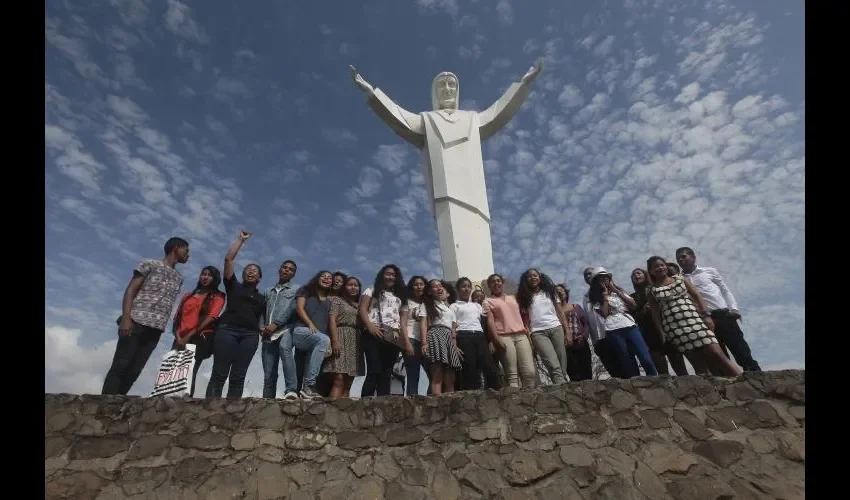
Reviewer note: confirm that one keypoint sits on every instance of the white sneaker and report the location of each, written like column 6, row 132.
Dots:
column 290, row 395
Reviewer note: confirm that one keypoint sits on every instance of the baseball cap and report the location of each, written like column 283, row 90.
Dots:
column 599, row 271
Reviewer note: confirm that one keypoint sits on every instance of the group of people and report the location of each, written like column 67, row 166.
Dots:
column 331, row 330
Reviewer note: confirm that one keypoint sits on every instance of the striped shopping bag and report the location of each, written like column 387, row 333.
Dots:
column 175, row 373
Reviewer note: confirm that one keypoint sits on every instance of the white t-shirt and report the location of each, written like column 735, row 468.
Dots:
column 619, row 317
column 542, row 314
column 468, row 316
column 387, row 311
column 447, row 316
column 413, row 320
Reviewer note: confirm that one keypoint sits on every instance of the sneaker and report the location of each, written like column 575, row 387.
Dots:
column 290, row 395
column 310, row 393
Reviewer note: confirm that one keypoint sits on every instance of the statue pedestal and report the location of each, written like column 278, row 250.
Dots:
column 465, row 246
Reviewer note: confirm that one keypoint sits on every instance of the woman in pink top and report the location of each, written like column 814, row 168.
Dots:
column 510, row 334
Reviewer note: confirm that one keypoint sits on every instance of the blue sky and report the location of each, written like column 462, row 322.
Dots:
column 653, row 125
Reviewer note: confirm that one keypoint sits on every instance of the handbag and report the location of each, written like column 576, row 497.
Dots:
column 389, row 334
column 174, row 377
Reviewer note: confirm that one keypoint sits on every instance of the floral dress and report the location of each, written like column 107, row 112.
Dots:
column 350, row 360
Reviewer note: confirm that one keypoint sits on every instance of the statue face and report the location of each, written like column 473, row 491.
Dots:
column 446, row 90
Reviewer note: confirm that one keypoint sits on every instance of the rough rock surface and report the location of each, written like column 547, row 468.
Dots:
column 645, row 438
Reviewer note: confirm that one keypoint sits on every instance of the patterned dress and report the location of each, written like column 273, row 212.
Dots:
column 683, row 327
column 441, row 348
column 350, row 360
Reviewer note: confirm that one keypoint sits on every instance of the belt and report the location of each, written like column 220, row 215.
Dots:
column 720, row 312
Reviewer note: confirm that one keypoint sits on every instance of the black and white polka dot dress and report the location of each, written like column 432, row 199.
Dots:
column 683, row 327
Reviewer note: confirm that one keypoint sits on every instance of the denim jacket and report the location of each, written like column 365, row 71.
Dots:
column 280, row 308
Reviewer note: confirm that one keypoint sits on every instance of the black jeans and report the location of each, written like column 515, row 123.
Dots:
column 380, row 358
column 131, row 355
column 728, row 332
column 233, row 351
column 413, row 366
column 476, row 359
column 579, row 365
column 203, row 350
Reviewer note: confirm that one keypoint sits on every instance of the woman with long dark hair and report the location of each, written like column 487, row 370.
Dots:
column 611, row 304
column 679, row 311
column 658, row 348
column 309, row 334
column 451, row 292
column 194, row 321
column 339, row 281
column 237, row 335
column 472, row 341
column 510, row 335
column 438, row 326
column 346, row 361
column 579, row 364
column 382, row 311
column 542, row 314
column 414, row 363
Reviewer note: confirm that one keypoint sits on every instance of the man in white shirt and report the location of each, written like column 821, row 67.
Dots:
column 721, row 305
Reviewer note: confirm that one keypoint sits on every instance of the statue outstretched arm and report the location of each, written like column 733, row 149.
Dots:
column 500, row 113
column 409, row 126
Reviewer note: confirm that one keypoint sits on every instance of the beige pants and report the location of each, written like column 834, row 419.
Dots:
column 518, row 360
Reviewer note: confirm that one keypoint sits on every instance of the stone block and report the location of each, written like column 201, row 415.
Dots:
column 204, row 441
column 151, row 445
column 575, row 455
column 298, row 439
column 353, row 440
column 722, row 452
column 691, row 424
column 403, row 436
column 656, row 419
column 98, row 447
column 626, row 419
column 656, row 397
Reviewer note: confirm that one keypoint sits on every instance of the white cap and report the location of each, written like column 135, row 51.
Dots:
column 598, row 271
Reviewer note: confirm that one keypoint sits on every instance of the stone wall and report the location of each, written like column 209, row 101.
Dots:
column 654, row 438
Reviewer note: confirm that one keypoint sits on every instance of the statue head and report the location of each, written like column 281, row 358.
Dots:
column 445, row 91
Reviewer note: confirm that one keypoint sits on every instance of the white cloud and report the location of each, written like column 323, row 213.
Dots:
column 448, row 6
column 71, row 367
column 571, row 96
column 505, row 12
column 178, row 20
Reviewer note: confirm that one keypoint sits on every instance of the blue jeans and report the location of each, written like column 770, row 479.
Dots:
column 271, row 355
column 314, row 344
column 628, row 343
column 233, row 351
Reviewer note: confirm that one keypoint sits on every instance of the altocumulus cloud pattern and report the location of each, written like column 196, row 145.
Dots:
column 655, row 124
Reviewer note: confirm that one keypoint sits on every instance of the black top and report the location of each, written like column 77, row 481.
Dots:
column 318, row 312
column 643, row 318
column 245, row 305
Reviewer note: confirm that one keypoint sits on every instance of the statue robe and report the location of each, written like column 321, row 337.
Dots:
column 451, row 143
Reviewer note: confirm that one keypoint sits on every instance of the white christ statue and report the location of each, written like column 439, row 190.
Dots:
column 450, row 139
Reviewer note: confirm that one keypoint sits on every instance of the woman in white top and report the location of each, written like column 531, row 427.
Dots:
column 414, row 363
column 472, row 341
column 611, row 305
column 438, row 327
column 537, row 301
column 383, row 311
